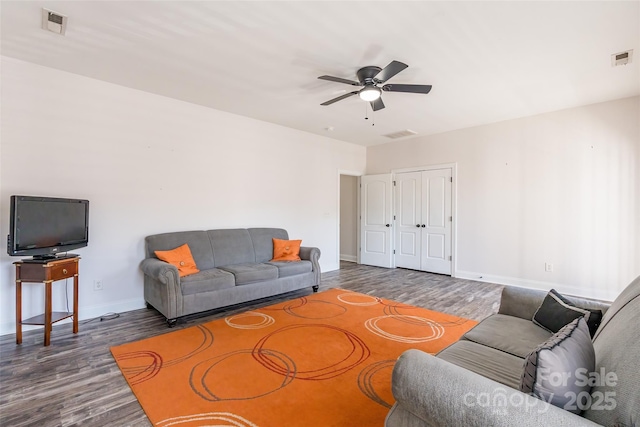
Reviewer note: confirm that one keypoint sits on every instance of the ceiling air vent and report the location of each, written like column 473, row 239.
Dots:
column 54, row 22
column 622, row 58
column 401, row 134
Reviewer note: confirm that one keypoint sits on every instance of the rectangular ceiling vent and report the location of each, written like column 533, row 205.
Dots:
column 622, row 58
column 401, row 134
column 54, row 22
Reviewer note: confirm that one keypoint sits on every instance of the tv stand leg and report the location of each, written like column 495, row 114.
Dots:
column 47, row 313
column 172, row 322
column 18, row 306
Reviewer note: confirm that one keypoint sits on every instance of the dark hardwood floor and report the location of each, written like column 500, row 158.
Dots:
column 76, row 382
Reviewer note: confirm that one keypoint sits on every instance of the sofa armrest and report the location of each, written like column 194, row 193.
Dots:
column 442, row 394
column 161, row 271
column 523, row 302
column 162, row 287
column 312, row 254
column 520, row 302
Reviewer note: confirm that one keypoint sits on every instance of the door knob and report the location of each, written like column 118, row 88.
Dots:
column 417, row 225
column 387, row 225
column 423, row 226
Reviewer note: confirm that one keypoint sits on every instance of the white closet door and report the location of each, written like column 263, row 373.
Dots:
column 436, row 209
column 408, row 198
column 376, row 223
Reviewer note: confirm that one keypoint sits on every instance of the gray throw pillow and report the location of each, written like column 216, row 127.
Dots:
column 556, row 311
column 556, row 370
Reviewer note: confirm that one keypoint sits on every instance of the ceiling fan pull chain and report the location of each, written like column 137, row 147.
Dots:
column 366, row 111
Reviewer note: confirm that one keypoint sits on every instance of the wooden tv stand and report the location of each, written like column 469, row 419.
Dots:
column 46, row 272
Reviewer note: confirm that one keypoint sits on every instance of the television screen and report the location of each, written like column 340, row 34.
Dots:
column 44, row 226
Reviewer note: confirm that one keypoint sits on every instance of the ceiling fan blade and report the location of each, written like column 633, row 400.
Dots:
column 340, row 98
column 377, row 104
column 407, row 88
column 339, row 80
column 389, row 71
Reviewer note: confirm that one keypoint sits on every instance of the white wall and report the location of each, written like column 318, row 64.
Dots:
column 348, row 218
column 562, row 188
column 150, row 164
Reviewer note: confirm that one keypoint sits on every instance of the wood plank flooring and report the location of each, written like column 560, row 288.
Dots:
column 76, row 382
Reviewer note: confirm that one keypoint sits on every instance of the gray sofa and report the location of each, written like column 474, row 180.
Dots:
column 475, row 381
column 234, row 267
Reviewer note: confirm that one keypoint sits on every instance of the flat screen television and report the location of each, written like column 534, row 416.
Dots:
column 43, row 227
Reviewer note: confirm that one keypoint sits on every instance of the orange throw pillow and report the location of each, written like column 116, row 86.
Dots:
column 180, row 257
column 286, row 250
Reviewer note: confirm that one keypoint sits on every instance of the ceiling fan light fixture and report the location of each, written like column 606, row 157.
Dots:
column 369, row 93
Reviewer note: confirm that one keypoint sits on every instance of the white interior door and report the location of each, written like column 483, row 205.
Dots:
column 437, row 220
column 376, row 222
column 408, row 231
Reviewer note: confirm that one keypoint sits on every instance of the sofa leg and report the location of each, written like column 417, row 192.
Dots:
column 149, row 306
column 172, row 322
column 315, row 288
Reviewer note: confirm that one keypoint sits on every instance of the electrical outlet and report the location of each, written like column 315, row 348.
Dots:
column 97, row 285
column 548, row 267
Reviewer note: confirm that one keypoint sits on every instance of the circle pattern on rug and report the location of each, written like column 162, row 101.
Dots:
column 377, row 326
column 141, row 366
column 196, row 420
column 353, row 298
column 315, row 310
column 264, row 320
column 374, row 377
column 152, row 363
column 237, row 376
column 341, row 350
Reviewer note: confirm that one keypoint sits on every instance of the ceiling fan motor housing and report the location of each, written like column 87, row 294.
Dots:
column 366, row 75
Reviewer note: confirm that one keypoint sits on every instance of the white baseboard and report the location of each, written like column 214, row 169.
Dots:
column 85, row 313
column 535, row 284
column 348, row 258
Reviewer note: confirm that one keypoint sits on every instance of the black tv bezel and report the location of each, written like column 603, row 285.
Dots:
column 44, row 251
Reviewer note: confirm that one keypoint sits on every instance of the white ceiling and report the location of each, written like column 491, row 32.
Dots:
column 487, row 61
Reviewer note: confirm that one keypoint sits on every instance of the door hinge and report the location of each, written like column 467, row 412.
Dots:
column 450, row 179
column 394, row 251
column 451, row 218
column 450, row 258
column 394, row 217
column 394, row 183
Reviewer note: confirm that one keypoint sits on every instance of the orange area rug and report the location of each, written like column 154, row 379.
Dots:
column 321, row 360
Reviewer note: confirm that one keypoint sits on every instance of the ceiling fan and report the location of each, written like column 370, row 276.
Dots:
column 371, row 79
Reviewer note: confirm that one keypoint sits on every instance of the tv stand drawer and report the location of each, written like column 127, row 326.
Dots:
column 50, row 271
column 64, row 270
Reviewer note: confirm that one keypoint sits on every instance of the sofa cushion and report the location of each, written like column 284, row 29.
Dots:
column 251, row 273
column 556, row 311
column 494, row 364
column 198, row 242
column 552, row 371
column 181, row 258
column 286, row 269
column 231, row 246
column 510, row 334
column 207, row 281
column 286, row 250
column 262, row 239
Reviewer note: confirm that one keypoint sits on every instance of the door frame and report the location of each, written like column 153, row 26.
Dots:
column 357, row 175
column 454, row 209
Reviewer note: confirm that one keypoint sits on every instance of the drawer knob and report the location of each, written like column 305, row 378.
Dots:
column 64, row 271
